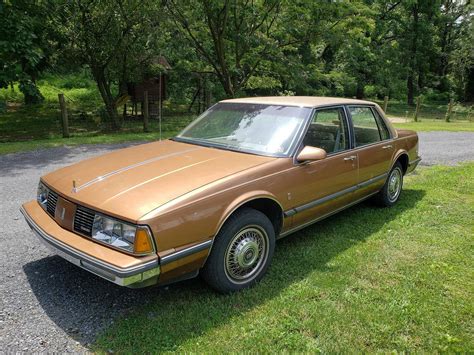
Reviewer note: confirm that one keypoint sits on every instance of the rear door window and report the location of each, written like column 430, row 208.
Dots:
column 384, row 132
column 366, row 129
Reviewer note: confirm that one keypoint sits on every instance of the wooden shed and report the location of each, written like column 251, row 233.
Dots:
column 155, row 86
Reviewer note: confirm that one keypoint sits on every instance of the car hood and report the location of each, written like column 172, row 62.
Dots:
column 128, row 183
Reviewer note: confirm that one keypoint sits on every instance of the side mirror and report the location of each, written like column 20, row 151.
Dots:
column 311, row 154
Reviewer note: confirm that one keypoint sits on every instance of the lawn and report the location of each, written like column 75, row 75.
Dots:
column 436, row 125
column 41, row 138
column 365, row 280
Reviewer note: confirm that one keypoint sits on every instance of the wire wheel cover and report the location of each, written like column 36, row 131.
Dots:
column 246, row 254
column 394, row 184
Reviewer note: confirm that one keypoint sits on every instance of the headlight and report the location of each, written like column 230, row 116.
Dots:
column 42, row 195
column 122, row 235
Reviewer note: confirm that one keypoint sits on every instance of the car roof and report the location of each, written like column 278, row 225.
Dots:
column 307, row 101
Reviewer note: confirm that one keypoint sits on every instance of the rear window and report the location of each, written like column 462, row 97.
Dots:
column 369, row 128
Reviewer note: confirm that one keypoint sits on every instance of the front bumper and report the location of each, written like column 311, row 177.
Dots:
column 119, row 268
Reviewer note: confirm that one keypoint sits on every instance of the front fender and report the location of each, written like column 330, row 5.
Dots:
column 242, row 200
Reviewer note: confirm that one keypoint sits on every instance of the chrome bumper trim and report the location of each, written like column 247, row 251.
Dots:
column 119, row 276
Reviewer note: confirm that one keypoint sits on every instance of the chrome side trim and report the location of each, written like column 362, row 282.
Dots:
column 288, row 232
column 185, row 252
column 325, row 199
column 333, row 196
column 414, row 162
column 129, row 167
column 119, row 276
column 372, row 181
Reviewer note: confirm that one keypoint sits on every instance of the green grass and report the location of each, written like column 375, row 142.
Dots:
column 77, row 88
column 365, row 280
column 437, row 125
column 25, row 139
column 429, row 110
column 22, row 146
column 431, row 116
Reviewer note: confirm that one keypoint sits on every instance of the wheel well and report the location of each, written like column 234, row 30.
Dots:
column 269, row 208
column 403, row 159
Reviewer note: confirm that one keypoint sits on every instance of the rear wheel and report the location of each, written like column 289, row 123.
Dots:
column 241, row 253
column 392, row 189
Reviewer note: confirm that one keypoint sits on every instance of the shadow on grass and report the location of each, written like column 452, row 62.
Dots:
column 163, row 318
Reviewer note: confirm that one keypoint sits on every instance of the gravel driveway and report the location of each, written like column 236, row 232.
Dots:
column 47, row 304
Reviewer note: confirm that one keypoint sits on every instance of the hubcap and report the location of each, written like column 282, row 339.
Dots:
column 246, row 254
column 394, row 185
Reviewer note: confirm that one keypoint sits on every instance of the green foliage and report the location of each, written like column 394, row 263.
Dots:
column 218, row 49
column 26, row 45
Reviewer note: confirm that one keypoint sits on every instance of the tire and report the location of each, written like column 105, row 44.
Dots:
column 241, row 253
column 391, row 191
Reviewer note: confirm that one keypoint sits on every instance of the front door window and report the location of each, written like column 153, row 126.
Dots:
column 328, row 130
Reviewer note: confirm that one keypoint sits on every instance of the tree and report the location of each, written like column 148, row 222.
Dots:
column 115, row 39
column 25, row 45
column 457, row 47
column 235, row 38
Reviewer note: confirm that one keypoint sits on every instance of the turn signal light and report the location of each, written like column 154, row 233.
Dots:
column 142, row 242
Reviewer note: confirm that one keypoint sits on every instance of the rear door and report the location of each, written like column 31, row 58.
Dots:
column 373, row 146
column 321, row 187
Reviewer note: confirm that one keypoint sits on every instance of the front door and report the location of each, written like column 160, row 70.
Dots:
column 321, row 187
column 374, row 148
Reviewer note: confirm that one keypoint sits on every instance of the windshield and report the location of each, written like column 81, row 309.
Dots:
column 254, row 128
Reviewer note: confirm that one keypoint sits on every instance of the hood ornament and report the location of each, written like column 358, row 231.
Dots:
column 74, row 186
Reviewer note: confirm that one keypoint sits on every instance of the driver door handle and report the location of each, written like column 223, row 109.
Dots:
column 352, row 157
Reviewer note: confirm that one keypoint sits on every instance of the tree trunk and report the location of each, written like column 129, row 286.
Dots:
column 410, row 89
column 360, row 90
column 30, row 91
column 110, row 103
column 469, row 88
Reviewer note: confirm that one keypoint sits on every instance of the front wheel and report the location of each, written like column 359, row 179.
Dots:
column 392, row 189
column 241, row 253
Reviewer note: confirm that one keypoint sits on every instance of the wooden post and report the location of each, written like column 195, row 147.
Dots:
column 62, row 105
column 145, row 111
column 417, row 110
column 385, row 104
column 450, row 111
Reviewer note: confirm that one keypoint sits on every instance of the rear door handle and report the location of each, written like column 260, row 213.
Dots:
column 352, row 157
column 389, row 146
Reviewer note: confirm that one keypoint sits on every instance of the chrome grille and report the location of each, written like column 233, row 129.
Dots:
column 51, row 202
column 83, row 221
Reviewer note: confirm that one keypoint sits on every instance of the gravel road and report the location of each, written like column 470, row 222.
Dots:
column 47, row 304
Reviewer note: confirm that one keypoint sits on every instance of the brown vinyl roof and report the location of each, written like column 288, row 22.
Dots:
column 308, row 101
